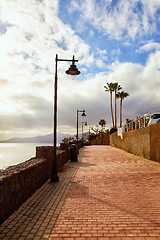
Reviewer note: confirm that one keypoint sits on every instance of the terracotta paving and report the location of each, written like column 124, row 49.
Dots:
column 108, row 195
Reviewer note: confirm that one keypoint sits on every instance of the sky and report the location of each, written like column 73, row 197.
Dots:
column 113, row 41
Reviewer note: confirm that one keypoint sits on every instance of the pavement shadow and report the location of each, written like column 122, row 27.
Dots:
column 81, row 192
column 139, row 214
column 85, row 164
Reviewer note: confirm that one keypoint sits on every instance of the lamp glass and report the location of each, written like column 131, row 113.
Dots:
column 73, row 70
column 83, row 114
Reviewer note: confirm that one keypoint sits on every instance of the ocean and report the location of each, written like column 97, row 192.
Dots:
column 15, row 153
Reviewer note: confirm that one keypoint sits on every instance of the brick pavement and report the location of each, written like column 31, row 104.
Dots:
column 109, row 195
column 36, row 218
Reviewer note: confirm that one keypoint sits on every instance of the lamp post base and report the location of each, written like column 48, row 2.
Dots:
column 54, row 178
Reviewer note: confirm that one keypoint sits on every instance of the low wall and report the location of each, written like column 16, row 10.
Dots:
column 155, row 142
column 101, row 141
column 46, row 152
column 144, row 142
column 138, row 142
column 19, row 182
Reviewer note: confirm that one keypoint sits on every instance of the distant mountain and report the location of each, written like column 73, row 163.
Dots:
column 37, row 139
column 41, row 139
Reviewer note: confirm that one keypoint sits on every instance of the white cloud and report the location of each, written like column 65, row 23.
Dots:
column 141, row 82
column 102, row 58
column 126, row 19
column 115, row 53
column 149, row 47
column 29, row 44
column 100, row 63
column 38, row 32
column 33, row 36
column 91, row 33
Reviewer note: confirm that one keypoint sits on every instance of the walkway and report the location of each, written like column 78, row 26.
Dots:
column 108, row 195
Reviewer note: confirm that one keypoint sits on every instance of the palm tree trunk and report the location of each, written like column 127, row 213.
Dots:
column 111, row 108
column 121, row 113
column 115, row 110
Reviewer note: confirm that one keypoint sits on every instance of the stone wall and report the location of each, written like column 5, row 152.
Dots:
column 138, row 142
column 155, row 142
column 101, row 141
column 144, row 142
column 47, row 152
column 19, row 182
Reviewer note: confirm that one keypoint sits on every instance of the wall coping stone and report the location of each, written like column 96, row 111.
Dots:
column 19, row 182
column 18, row 168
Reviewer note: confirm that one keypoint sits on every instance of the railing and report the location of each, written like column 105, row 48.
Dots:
column 140, row 122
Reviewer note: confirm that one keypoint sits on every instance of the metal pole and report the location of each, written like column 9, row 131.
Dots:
column 54, row 176
column 82, row 134
column 71, row 71
column 77, row 127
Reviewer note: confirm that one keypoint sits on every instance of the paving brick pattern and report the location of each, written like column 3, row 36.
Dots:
column 36, row 218
column 115, row 195
column 108, row 195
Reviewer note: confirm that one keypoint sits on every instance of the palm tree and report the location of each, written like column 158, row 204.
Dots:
column 65, row 140
column 102, row 123
column 121, row 95
column 70, row 139
column 109, row 88
column 116, row 87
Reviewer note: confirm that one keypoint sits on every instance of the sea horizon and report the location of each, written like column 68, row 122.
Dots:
column 14, row 153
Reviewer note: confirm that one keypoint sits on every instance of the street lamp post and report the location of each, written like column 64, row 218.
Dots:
column 83, row 115
column 85, row 123
column 71, row 71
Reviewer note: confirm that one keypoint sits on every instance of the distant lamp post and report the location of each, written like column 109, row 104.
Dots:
column 85, row 123
column 71, row 71
column 83, row 115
